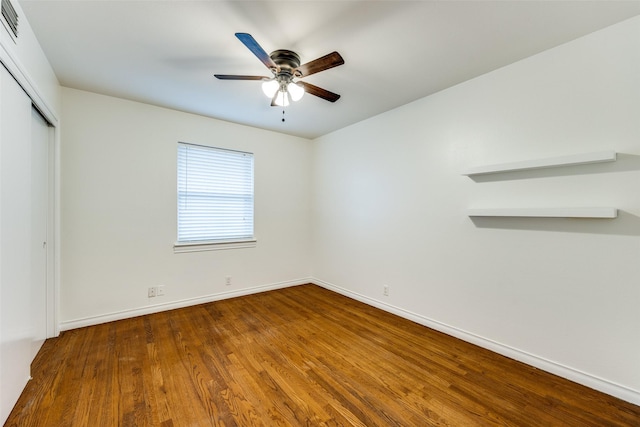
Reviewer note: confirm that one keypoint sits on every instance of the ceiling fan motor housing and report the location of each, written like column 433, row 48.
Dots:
column 286, row 60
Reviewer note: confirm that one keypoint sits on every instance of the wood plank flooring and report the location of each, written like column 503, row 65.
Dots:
column 300, row 356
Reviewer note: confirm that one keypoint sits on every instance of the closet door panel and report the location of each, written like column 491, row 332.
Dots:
column 39, row 209
column 16, row 328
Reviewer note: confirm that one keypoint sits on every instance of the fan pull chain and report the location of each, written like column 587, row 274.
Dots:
column 283, row 114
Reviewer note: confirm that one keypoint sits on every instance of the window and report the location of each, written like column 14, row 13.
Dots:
column 215, row 198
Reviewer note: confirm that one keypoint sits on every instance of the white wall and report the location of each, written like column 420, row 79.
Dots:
column 562, row 294
column 119, row 210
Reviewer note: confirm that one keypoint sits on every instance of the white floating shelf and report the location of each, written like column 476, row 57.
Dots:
column 547, row 212
column 575, row 159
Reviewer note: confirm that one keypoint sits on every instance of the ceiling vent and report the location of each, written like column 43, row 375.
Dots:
column 10, row 17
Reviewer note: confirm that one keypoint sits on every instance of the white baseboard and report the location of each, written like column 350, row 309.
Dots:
column 591, row 381
column 126, row 314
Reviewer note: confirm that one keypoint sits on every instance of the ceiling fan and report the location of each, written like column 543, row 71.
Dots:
column 285, row 67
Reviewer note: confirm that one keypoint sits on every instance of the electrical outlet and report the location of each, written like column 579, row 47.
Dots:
column 160, row 291
column 385, row 290
column 151, row 292
column 227, row 281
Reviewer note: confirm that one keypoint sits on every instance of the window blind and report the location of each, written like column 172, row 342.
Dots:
column 215, row 194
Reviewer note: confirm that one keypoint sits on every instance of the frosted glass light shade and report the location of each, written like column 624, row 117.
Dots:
column 295, row 91
column 282, row 100
column 270, row 88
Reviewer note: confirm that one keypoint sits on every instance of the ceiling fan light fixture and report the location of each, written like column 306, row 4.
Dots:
column 296, row 91
column 282, row 99
column 270, row 87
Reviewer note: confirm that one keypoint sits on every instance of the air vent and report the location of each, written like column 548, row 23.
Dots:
column 10, row 17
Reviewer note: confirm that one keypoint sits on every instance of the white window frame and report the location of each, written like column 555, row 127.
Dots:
column 199, row 243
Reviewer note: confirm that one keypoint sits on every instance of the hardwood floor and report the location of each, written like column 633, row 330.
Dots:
column 301, row 356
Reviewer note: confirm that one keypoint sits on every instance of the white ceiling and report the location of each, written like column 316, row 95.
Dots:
column 166, row 52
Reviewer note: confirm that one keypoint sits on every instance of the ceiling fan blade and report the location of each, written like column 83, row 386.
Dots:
column 330, row 60
column 257, row 50
column 234, row 77
column 319, row 92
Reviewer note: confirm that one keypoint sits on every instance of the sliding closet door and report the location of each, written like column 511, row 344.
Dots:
column 15, row 238
column 39, row 208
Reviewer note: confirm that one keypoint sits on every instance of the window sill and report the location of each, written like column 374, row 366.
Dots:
column 181, row 247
